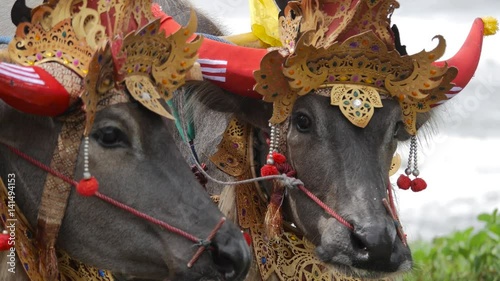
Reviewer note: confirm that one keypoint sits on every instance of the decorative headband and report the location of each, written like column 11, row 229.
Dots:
column 97, row 45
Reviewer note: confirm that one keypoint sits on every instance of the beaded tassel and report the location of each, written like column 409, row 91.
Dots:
column 86, row 172
column 404, row 181
column 89, row 185
column 270, row 169
column 273, row 218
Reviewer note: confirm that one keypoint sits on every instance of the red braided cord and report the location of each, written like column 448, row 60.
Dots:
column 399, row 228
column 146, row 217
column 209, row 239
column 40, row 165
column 288, row 170
column 391, row 200
column 326, row 208
column 125, row 207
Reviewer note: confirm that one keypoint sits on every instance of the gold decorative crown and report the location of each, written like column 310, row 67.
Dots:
column 345, row 49
column 109, row 44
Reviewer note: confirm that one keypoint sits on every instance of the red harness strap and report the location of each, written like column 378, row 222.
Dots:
column 202, row 243
column 388, row 204
column 288, row 170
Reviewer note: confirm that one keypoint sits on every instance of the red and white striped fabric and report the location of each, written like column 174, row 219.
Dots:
column 214, row 70
column 20, row 73
column 33, row 90
column 230, row 67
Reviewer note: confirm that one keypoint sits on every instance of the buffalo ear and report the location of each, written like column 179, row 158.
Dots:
column 254, row 111
column 20, row 13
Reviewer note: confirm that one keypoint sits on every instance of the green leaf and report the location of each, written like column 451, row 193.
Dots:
column 479, row 239
column 484, row 217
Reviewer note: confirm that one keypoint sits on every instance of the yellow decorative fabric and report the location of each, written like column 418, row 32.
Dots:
column 264, row 21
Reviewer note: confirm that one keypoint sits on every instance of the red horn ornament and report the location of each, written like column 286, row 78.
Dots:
column 466, row 59
column 228, row 66
column 32, row 90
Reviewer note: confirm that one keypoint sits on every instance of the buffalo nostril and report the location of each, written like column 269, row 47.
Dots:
column 373, row 247
column 224, row 265
column 232, row 259
column 358, row 245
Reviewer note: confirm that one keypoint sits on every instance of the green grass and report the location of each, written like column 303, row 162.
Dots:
column 469, row 255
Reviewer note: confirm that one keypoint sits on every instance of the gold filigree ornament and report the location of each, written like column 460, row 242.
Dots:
column 356, row 102
column 348, row 47
column 232, row 153
column 109, row 44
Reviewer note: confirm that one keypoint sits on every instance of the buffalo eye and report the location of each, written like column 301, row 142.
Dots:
column 110, row 137
column 303, row 123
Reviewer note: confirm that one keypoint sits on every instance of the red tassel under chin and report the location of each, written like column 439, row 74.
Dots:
column 269, row 170
column 273, row 221
column 4, row 242
column 404, row 182
column 418, row 184
column 87, row 187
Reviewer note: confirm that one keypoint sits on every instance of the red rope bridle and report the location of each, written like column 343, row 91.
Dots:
column 287, row 169
column 203, row 244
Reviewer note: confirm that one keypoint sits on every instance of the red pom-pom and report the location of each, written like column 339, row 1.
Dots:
column 418, row 184
column 247, row 237
column 4, row 242
column 404, row 182
column 279, row 158
column 269, row 170
column 87, row 187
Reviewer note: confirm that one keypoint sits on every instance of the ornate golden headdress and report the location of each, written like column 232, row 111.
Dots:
column 345, row 49
column 108, row 44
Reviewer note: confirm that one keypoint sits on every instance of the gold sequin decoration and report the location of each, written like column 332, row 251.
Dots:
column 166, row 59
column 60, row 44
column 424, row 75
column 143, row 91
column 231, row 156
column 275, row 88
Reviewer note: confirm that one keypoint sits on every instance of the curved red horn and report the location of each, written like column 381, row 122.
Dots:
column 228, row 66
column 467, row 58
column 33, row 90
